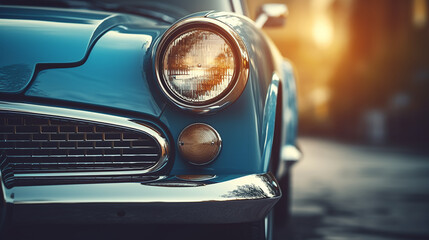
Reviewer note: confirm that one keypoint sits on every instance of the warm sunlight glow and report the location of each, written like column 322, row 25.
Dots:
column 419, row 13
column 323, row 31
column 320, row 95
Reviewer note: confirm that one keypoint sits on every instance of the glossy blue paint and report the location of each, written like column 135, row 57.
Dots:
column 264, row 87
column 247, row 126
column 239, row 129
column 33, row 36
column 116, row 74
column 269, row 122
column 290, row 103
column 266, row 60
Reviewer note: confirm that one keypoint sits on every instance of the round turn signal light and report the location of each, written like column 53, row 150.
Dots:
column 199, row 143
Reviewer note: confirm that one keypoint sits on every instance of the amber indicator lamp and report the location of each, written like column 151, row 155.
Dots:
column 199, row 144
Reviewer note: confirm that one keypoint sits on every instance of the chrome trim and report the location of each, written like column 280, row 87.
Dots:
column 95, row 118
column 217, row 135
column 236, row 5
column 271, row 10
column 290, row 153
column 242, row 70
column 3, row 204
column 242, row 198
column 197, row 178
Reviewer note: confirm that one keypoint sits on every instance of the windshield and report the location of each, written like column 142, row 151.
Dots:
column 172, row 9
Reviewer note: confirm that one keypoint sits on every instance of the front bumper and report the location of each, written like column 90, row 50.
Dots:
column 222, row 199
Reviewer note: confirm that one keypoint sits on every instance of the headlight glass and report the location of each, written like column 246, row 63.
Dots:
column 198, row 66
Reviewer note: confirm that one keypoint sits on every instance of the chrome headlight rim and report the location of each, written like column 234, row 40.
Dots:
column 241, row 68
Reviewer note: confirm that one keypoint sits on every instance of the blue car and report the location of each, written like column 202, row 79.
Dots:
column 157, row 112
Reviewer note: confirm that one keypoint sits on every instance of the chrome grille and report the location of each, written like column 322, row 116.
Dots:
column 35, row 146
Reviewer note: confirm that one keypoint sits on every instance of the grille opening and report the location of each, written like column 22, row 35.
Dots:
column 38, row 147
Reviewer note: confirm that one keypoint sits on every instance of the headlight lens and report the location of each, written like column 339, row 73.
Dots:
column 198, row 66
column 201, row 65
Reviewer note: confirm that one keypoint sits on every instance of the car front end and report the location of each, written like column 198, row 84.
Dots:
column 102, row 122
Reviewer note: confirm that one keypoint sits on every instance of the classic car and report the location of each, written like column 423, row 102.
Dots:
column 144, row 112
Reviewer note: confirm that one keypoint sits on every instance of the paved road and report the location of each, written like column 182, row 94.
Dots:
column 344, row 191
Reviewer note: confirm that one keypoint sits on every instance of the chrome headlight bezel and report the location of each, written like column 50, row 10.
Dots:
column 241, row 70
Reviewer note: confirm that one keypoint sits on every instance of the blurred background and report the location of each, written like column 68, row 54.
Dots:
column 362, row 67
column 362, row 71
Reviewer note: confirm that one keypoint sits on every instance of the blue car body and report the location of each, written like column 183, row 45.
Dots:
column 103, row 62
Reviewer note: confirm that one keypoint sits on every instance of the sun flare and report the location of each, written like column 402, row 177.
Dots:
column 323, row 31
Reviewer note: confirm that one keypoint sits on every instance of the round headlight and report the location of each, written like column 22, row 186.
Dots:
column 198, row 66
column 201, row 64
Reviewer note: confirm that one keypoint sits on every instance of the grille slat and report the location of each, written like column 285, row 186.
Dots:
column 70, row 140
column 31, row 144
column 77, row 163
column 85, row 155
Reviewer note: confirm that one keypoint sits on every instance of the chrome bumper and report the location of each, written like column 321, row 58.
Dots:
column 223, row 199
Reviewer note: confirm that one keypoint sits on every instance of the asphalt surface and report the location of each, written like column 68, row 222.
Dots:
column 343, row 191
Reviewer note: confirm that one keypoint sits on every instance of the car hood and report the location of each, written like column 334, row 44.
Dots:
column 44, row 37
column 92, row 58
